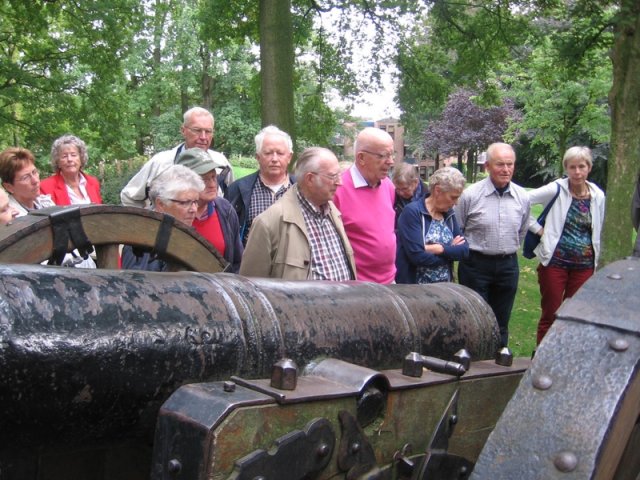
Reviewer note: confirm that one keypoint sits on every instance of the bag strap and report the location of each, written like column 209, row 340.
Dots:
column 544, row 213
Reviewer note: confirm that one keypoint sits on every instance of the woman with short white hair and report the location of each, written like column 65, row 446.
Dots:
column 174, row 192
column 428, row 234
column 569, row 245
column 70, row 185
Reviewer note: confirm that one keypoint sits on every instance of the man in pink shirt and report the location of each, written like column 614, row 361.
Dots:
column 366, row 203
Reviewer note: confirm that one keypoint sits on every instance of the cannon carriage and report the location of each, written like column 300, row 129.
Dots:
column 109, row 374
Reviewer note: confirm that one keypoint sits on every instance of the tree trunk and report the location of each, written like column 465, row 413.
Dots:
column 159, row 20
column 206, row 86
column 276, row 64
column 471, row 165
column 624, row 158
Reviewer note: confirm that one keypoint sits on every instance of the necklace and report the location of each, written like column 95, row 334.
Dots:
column 583, row 194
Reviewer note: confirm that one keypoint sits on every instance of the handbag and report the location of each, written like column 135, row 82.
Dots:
column 531, row 240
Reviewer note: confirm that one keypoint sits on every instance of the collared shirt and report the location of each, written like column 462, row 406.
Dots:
column 262, row 197
column 358, row 180
column 493, row 224
column 74, row 197
column 42, row 201
column 328, row 257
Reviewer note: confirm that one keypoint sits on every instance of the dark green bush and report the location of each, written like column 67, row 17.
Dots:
column 115, row 175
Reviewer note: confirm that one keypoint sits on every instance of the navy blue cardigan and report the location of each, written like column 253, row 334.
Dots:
column 410, row 252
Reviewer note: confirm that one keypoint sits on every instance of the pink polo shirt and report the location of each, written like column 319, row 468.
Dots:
column 368, row 218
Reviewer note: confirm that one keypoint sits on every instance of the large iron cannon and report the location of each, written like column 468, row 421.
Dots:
column 89, row 356
column 128, row 375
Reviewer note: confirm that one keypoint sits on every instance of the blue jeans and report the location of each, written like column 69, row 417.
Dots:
column 495, row 279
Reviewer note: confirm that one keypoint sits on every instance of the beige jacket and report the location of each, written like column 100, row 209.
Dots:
column 278, row 245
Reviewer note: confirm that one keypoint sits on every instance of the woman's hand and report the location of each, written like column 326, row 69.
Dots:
column 459, row 240
column 434, row 248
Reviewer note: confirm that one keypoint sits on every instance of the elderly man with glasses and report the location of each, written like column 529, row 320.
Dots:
column 197, row 130
column 366, row 203
column 301, row 237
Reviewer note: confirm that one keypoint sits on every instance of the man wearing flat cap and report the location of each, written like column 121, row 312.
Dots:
column 216, row 220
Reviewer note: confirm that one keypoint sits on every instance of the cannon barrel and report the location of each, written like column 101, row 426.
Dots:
column 88, row 356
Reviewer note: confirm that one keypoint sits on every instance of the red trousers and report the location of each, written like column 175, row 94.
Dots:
column 556, row 285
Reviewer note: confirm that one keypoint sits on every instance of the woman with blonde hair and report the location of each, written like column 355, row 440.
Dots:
column 569, row 246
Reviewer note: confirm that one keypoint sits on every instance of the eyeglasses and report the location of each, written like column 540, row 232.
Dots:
column 381, row 156
column 184, row 203
column 199, row 131
column 34, row 174
column 334, row 177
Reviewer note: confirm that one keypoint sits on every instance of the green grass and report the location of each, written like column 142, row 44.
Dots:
column 526, row 310
column 239, row 172
column 243, row 166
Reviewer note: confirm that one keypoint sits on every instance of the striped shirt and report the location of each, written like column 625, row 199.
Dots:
column 328, row 257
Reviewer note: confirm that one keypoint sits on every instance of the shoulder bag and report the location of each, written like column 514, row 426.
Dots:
column 531, row 240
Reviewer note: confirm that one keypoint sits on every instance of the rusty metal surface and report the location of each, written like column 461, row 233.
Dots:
column 577, row 405
column 410, row 417
column 298, row 455
column 609, row 298
column 374, row 325
column 480, row 369
column 186, row 422
column 78, row 346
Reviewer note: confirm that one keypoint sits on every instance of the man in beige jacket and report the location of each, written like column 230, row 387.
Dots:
column 301, row 236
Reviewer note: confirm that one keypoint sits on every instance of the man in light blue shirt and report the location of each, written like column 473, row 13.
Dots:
column 493, row 214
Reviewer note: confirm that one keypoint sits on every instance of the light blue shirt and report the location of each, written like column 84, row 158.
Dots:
column 493, row 224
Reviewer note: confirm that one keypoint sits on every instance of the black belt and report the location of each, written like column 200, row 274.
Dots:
column 497, row 256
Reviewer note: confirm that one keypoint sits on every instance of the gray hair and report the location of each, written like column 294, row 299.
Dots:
column 196, row 112
column 448, row 179
column 272, row 130
column 174, row 180
column 62, row 142
column 580, row 153
column 405, row 173
column 308, row 161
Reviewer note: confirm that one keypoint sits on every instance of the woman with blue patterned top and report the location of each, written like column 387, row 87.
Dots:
column 570, row 240
column 429, row 237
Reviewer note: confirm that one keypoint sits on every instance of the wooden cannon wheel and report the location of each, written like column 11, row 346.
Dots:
column 30, row 239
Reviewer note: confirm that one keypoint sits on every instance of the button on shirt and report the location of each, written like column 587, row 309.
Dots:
column 493, row 224
column 74, row 197
column 328, row 258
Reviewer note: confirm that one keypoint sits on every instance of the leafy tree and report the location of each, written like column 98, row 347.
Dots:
column 467, row 128
column 424, row 80
column 298, row 26
column 562, row 103
column 56, row 61
column 483, row 37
